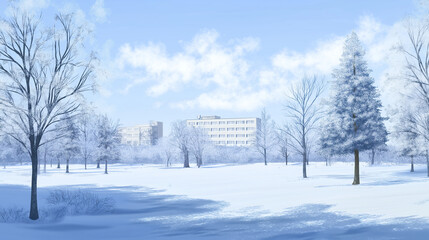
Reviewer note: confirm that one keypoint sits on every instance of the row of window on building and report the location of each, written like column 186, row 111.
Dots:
column 230, row 129
column 230, row 135
column 223, row 122
column 232, row 142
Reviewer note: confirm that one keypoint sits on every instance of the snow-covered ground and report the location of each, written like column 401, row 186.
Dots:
column 231, row 202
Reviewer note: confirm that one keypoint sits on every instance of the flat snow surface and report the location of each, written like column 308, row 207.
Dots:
column 230, row 202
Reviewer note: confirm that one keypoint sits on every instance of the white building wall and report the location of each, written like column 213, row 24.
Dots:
column 143, row 134
column 228, row 131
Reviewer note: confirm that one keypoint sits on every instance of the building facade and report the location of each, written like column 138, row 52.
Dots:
column 143, row 134
column 228, row 131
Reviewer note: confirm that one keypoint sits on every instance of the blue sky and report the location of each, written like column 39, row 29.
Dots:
column 169, row 60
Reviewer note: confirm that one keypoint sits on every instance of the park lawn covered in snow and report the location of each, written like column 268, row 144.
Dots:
column 230, row 201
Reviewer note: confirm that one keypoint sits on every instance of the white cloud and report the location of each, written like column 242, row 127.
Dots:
column 32, row 5
column 29, row 6
column 99, row 11
column 202, row 62
column 319, row 61
column 368, row 29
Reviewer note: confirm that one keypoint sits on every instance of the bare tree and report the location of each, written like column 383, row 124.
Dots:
column 181, row 138
column 416, row 124
column 282, row 136
column 198, row 143
column 417, row 72
column 304, row 114
column 43, row 75
column 165, row 146
column 86, row 124
column 408, row 132
column 374, row 150
column 265, row 136
column 417, row 59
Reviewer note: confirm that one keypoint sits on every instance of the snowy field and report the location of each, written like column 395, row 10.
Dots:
column 230, row 202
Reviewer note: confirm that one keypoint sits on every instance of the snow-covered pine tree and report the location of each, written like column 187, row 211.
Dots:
column 109, row 139
column 71, row 140
column 354, row 121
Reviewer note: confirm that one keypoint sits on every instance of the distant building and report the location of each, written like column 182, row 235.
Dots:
column 143, row 134
column 228, row 131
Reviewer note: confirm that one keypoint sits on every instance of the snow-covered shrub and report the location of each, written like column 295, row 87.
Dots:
column 19, row 215
column 80, row 202
column 13, row 215
column 52, row 214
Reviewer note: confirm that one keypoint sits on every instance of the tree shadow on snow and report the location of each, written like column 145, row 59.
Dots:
column 148, row 214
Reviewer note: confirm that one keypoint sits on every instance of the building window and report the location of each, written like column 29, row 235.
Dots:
column 230, row 135
column 230, row 142
column 241, row 135
column 221, row 122
column 250, row 128
column 221, row 135
column 221, row 129
column 230, row 122
column 230, row 129
column 241, row 122
column 250, row 121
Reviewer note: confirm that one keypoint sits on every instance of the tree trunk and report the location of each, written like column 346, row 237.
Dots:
column 98, row 163
column 286, row 159
column 44, row 162
column 265, row 156
column 105, row 167
column 307, row 158
column 86, row 158
column 356, row 180
column 304, row 165
column 59, row 164
column 38, row 167
column 186, row 162
column 412, row 163
column 372, row 156
column 34, row 211
column 427, row 161
column 67, row 165
column 199, row 161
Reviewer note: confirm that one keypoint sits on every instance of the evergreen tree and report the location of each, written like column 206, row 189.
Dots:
column 354, row 120
column 109, row 139
column 70, row 141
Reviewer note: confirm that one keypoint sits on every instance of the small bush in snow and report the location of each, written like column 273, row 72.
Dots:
column 13, row 215
column 80, row 202
column 52, row 214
